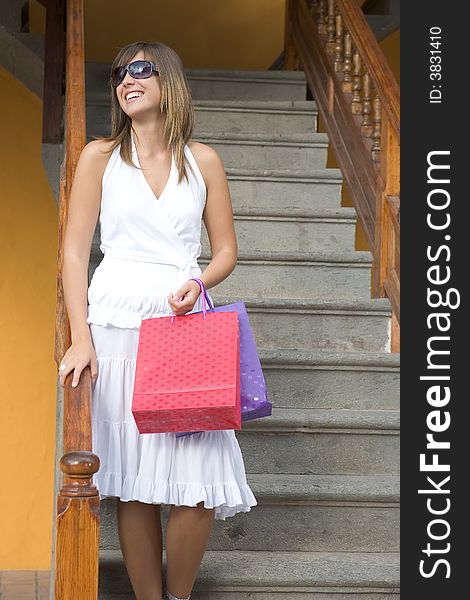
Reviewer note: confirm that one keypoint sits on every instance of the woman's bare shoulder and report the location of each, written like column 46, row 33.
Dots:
column 94, row 157
column 99, row 148
column 208, row 160
column 203, row 152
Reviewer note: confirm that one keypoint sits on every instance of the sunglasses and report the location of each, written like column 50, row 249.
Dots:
column 139, row 69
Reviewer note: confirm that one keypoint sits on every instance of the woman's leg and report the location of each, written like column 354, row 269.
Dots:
column 187, row 535
column 140, row 536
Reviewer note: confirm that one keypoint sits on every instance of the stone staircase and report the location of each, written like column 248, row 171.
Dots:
column 324, row 467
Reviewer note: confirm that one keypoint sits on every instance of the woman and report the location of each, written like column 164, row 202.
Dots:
column 150, row 186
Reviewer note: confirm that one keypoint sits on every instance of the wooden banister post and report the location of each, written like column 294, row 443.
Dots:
column 385, row 280
column 78, row 507
column 78, row 503
column 291, row 60
column 54, row 62
column 390, row 176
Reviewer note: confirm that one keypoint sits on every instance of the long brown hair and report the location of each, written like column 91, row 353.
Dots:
column 175, row 103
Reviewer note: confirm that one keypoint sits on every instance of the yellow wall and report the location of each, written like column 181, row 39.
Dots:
column 228, row 34
column 391, row 48
column 28, row 250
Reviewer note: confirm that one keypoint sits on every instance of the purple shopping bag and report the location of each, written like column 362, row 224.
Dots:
column 254, row 401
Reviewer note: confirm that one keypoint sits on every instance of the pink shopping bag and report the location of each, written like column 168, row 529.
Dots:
column 188, row 373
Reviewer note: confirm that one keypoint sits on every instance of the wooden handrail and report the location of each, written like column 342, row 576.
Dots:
column 359, row 101
column 78, row 503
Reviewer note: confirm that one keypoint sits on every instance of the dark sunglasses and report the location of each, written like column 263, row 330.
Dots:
column 139, row 69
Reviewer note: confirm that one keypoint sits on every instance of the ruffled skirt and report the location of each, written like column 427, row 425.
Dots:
column 157, row 468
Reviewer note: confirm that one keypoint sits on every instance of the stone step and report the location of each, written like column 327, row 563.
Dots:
column 299, row 193
column 260, row 189
column 250, row 85
column 324, row 325
column 296, row 152
column 34, row 41
column 242, row 575
column 256, row 116
column 331, row 380
column 10, row 14
column 311, row 231
column 315, row 441
column 214, row 84
column 263, row 151
column 289, row 230
column 295, row 513
column 283, row 275
column 249, row 116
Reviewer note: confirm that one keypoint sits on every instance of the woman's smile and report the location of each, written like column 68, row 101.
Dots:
column 133, row 95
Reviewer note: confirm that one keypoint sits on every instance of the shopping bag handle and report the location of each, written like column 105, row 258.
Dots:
column 205, row 298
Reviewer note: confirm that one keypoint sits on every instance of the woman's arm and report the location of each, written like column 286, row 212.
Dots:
column 218, row 218
column 84, row 207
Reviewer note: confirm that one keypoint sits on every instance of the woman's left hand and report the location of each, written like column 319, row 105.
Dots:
column 185, row 298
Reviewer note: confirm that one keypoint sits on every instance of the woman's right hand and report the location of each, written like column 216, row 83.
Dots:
column 78, row 356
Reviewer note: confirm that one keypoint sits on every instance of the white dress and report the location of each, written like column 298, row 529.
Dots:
column 150, row 249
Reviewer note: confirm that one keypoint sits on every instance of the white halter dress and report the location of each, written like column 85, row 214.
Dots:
column 150, row 248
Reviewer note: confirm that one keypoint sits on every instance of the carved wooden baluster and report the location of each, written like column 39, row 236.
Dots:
column 357, row 84
column 339, row 46
column 322, row 17
column 331, row 28
column 366, row 106
column 347, row 64
column 377, row 117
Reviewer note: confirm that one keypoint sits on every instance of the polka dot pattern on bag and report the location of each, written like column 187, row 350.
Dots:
column 187, row 370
